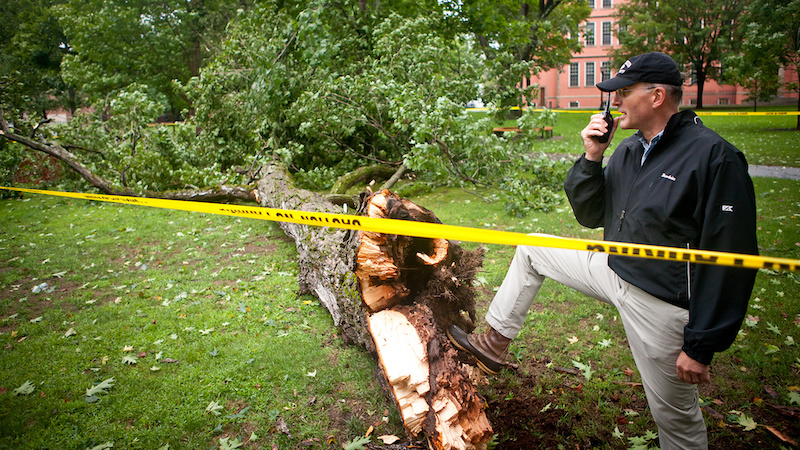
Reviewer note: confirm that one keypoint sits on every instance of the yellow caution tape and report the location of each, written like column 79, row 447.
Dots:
column 699, row 113
column 435, row 230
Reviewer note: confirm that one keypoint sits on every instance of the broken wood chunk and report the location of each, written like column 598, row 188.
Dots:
column 405, row 364
column 440, row 247
column 413, row 354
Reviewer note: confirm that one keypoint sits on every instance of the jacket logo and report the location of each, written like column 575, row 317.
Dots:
column 727, row 208
column 669, row 177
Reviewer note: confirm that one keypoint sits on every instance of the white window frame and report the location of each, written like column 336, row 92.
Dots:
column 574, row 74
column 608, row 33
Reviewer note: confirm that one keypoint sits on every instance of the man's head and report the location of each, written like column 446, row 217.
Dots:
column 648, row 92
column 650, row 69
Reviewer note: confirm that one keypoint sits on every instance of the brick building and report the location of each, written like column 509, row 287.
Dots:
column 573, row 85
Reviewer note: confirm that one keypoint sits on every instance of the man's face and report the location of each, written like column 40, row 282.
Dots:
column 635, row 104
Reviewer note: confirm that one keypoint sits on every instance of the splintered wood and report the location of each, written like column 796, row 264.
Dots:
column 436, row 397
column 405, row 364
column 378, row 256
column 451, row 411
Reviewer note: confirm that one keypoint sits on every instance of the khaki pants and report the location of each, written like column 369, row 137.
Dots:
column 653, row 327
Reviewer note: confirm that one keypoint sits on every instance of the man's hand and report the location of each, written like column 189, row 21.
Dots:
column 691, row 371
column 597, row 127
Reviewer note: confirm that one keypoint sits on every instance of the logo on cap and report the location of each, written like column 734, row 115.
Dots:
column 624, row 66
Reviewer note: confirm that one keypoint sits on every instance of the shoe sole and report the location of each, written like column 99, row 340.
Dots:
column 481, row 365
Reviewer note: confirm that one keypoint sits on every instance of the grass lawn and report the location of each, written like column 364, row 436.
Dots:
column 764, row 140
column 167, row 329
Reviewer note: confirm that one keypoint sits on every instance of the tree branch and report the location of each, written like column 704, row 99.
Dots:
column 221, row 193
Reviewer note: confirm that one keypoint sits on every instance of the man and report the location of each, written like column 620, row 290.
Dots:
column 674, row 183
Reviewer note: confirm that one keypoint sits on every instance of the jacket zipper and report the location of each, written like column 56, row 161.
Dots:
column 628, row 198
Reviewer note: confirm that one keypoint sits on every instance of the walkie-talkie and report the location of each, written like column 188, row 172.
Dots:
column 609, row 120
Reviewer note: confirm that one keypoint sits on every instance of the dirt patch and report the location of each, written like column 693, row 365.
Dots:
column 523, row 419
column 20, row 297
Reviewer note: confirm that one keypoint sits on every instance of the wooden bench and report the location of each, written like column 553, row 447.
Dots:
column 544, row 130
column 548, row 130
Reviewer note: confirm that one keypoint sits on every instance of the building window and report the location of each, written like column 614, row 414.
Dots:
column 605, row 71
column 588, row 33
column 607, row 4
column 574, row 104
column 590, row 3
column 574, row 75
column 589, row 74
column 606, row 33
column 723, row 101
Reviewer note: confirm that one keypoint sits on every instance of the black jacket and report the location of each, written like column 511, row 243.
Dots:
column 693, row 191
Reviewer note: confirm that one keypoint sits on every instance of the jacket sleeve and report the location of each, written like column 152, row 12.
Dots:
column 719, row 295
column 586, row 190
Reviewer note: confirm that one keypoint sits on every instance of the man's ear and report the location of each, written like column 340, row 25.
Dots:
column 659, row 96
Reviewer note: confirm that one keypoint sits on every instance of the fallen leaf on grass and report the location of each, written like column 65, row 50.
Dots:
column 585, row 368
column 25, row 389
column 747, row 422
column 772, row 392
column 283, row 428
column 214, row 408
column 780, row 435
column 227, row 444
column 101, row 388
column 388, row 439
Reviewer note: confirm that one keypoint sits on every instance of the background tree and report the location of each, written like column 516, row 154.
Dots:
column 696, row 33
column 757, row 64
column 115, row 43
column 327, row 87
column 517, row 37
column 778, row 22
column 32, row 45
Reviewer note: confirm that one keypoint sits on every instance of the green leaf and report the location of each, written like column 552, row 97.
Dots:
column 771, row 349
column 794, row 398
column 25, row 389
column 105, row 446
column 585, row 368
column 618, row 434
column 240, row 415
column 227, row 444
column 214, row 408
column 747, row 422
column 357, row 444
column 101, row 388
column 773, row 328
column 605, row 343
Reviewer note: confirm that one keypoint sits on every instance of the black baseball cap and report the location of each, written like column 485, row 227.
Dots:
column 653, row 67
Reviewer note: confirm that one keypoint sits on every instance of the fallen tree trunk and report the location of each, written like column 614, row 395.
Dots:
column 432, row 280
